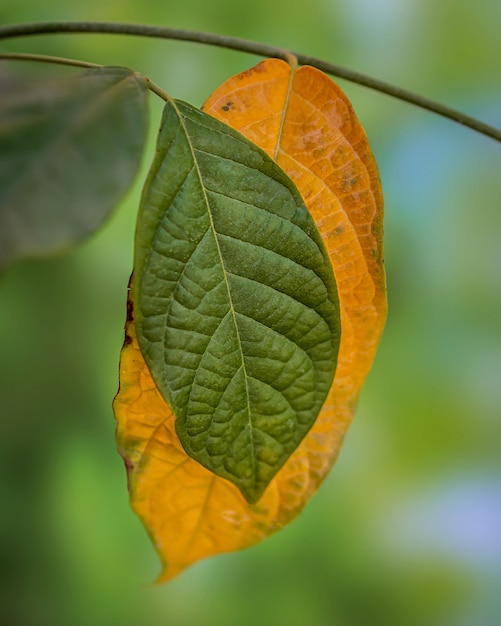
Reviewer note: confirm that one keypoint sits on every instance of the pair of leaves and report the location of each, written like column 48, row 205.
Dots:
column 69, row 150
column 235, row 300
column 304, row 122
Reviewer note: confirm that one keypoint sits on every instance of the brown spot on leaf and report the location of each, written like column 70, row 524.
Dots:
column 257, row 69
column 130, row 310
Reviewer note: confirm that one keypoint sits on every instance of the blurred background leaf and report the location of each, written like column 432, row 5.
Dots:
column 406, row 528
column 69, row 150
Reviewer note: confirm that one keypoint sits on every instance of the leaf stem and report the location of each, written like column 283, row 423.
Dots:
column 157, row 90
column 244, row 45
column 24, row 56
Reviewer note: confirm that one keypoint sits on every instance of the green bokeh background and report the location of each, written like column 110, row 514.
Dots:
column 407, row 529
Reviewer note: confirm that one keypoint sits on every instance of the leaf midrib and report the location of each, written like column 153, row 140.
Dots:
column 285, row 108
column 232, row 308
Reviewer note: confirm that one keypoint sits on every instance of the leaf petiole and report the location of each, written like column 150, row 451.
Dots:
column 45, row 58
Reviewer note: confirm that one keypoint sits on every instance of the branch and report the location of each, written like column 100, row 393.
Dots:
column 243, row 45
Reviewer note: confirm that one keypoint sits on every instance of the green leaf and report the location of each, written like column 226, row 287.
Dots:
column 69, row 150
column 235, row 299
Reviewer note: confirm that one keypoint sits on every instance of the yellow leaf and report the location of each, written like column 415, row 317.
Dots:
column 302, row 119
